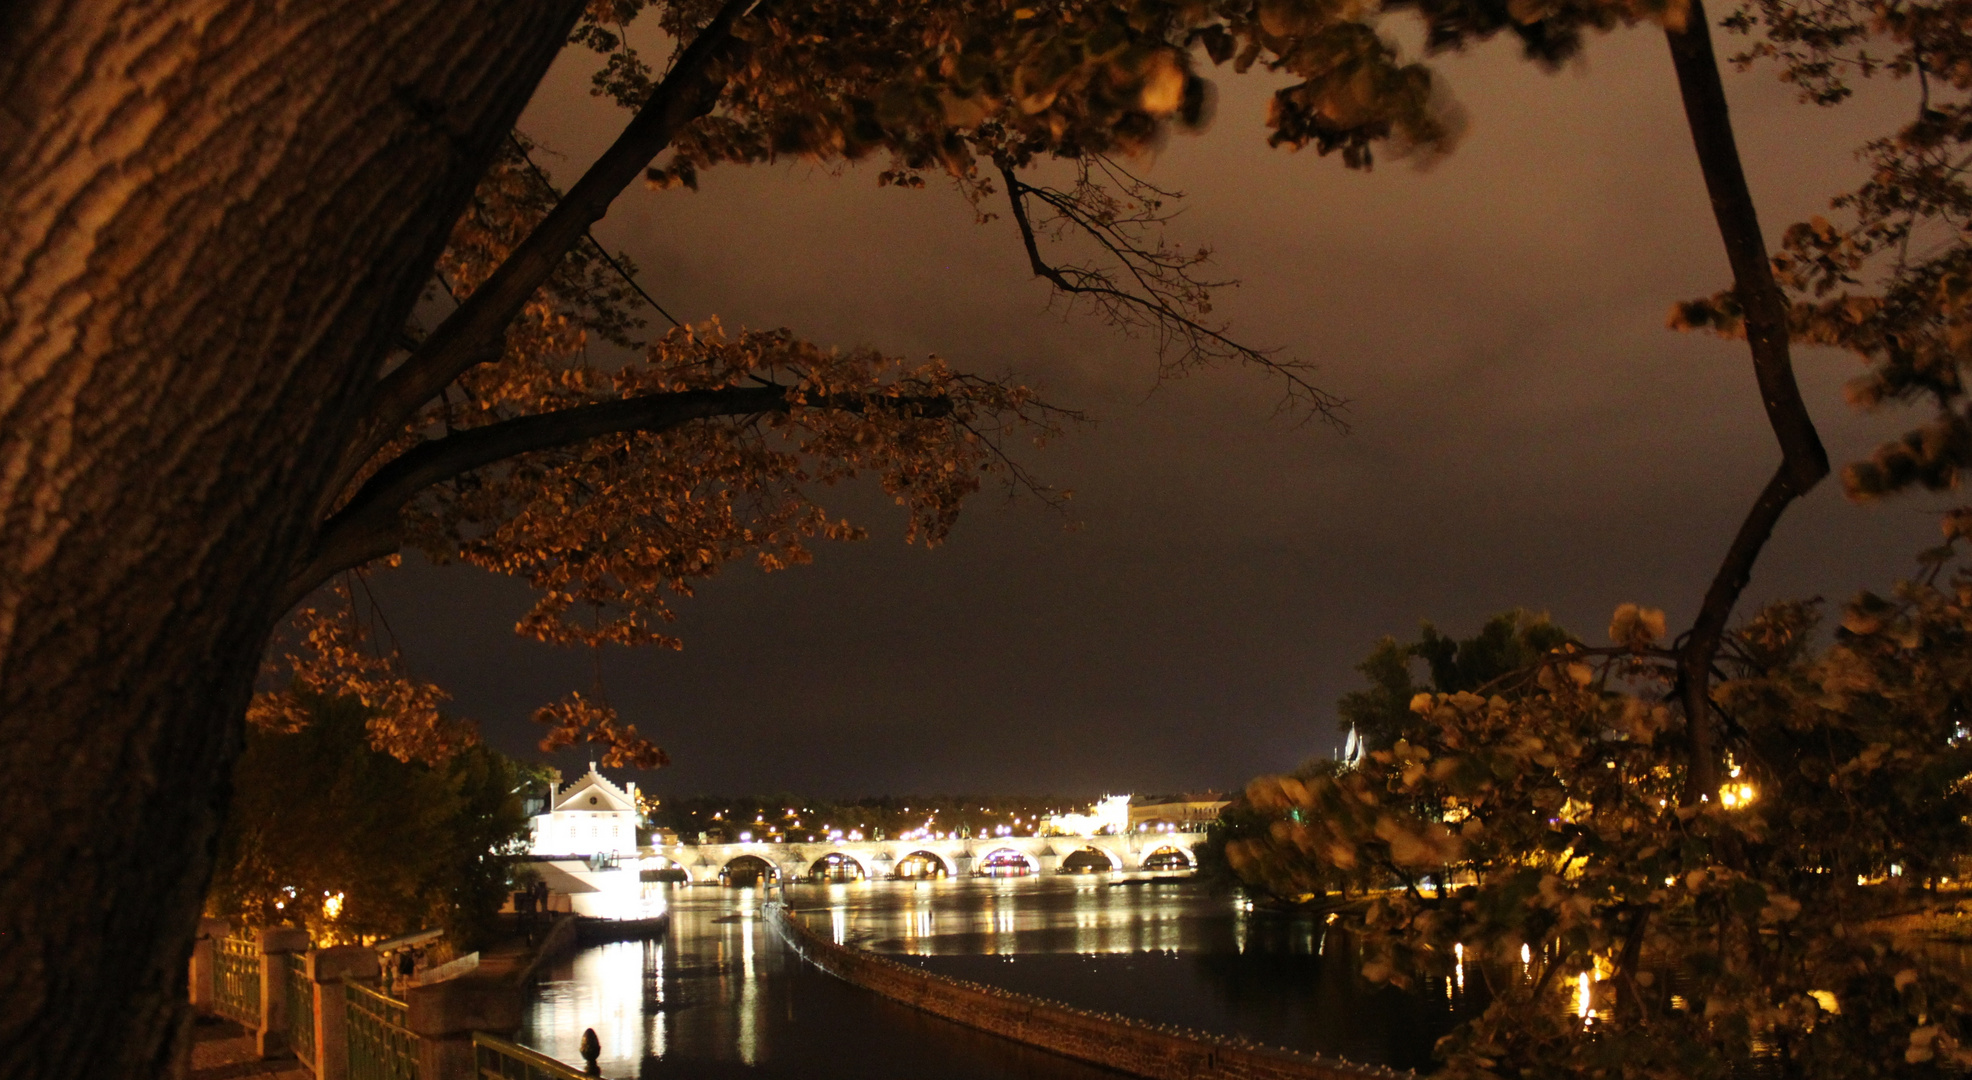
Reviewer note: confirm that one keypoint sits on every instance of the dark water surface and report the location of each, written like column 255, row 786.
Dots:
column 725, row 997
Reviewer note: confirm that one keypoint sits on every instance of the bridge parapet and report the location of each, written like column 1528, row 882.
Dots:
column 959, row 857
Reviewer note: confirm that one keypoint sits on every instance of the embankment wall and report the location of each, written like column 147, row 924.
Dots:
column 1133, row 1046
column 562, row 939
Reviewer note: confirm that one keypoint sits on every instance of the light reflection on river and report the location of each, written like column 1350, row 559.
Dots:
column 724, row 997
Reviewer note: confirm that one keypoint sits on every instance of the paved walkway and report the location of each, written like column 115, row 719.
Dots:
column 222, row 1050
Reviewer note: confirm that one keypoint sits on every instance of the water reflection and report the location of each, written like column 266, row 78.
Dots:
column 725, row 997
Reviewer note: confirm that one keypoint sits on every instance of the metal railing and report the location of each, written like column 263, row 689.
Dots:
column 301, row 1007
column 495, row 1058
column 236, row 980
column 381, row 1045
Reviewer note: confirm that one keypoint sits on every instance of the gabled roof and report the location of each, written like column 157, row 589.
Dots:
column 592, row 786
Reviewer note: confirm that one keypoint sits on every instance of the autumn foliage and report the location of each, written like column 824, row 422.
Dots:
column 331, row 653
column 607, row 528
column 1538, row 829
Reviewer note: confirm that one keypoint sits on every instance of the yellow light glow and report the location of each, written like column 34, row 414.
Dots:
column 1733, row 796
column 332, row 907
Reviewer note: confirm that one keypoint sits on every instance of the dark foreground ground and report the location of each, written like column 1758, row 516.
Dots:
column 222, row 1050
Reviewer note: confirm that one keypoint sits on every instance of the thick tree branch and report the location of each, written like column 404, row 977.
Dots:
column 1739, row 227
column 368, row 527
column 621, row 271
column 1804, row 461
column 474, row 333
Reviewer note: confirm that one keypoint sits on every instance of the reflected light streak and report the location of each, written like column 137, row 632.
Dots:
column 604, row 991
column 749, row 1008
column 656, row 1038
column 733, row 974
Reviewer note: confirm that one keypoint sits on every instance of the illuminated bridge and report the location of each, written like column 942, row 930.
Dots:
column 996, row 856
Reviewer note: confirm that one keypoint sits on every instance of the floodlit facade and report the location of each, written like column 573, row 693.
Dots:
column 1182, row 813
column 1111, row 815
column 592, row 817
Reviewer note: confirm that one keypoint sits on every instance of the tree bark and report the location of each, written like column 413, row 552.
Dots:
column 215, row 216
column 1803, row 461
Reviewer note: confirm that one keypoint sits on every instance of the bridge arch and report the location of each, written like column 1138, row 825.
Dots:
column 923, row 864
column 836, row 866
column 1008, row 862
column 745, row 871
column 1169, row 857
column 1090, row 859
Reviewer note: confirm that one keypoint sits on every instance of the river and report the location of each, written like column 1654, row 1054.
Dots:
column 724, row 997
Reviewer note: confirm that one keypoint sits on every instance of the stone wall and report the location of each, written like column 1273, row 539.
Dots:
column 1133, row 1046
column 561, row 940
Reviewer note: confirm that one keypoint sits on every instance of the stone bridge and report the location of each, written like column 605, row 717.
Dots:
column 1006, row 856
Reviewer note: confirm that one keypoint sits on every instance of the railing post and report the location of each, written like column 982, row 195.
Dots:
column 276, row 942
column 445, row 1014
column 204, row 963
column 328, row 969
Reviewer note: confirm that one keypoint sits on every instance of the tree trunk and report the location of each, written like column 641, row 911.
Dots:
column 214, row 217
column 1803, row 460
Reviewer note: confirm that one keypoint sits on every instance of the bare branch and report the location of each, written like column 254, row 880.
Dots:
column 1163, row 294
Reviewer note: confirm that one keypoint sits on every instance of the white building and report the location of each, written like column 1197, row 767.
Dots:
column 1111, row 815
column 1177, row 813
column 592, row 817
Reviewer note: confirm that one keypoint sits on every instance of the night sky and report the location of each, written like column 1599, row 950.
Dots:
column 1524, row 431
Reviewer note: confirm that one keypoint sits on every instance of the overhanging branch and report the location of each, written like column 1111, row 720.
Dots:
column 368, row 527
